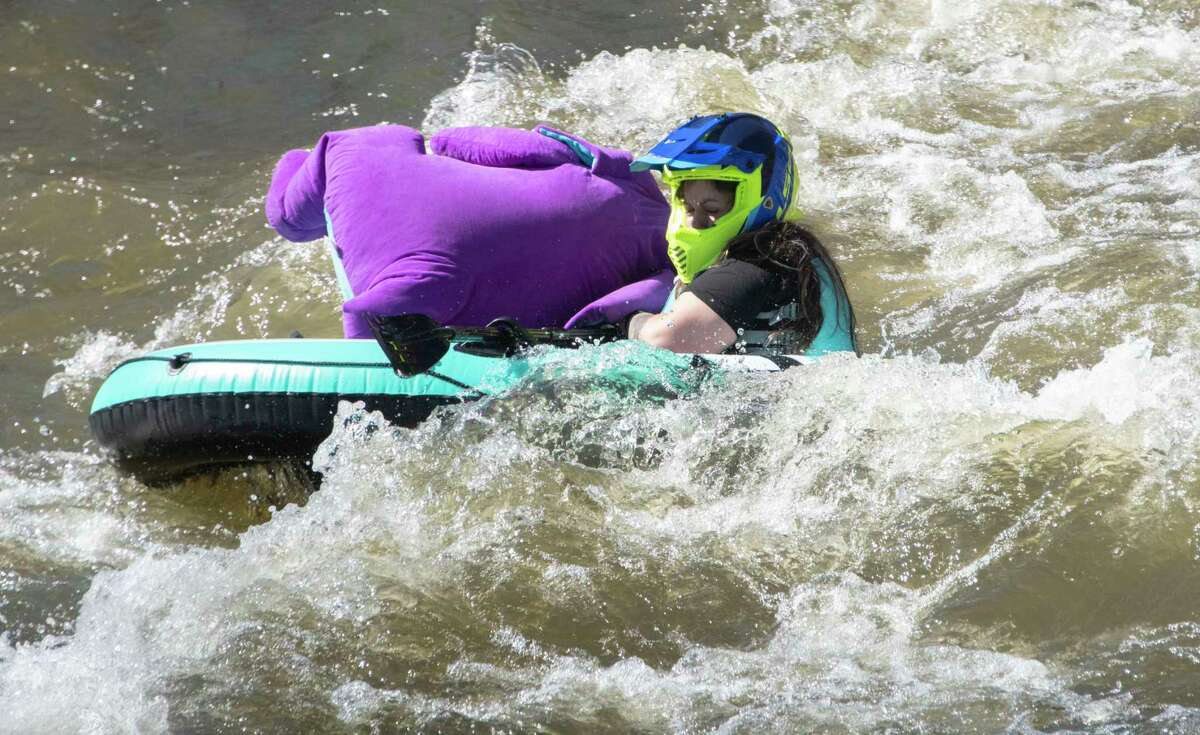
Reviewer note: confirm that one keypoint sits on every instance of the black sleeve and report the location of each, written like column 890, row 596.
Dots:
column 737, row 291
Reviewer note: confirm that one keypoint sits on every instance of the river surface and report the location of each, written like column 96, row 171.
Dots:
column 988, row 523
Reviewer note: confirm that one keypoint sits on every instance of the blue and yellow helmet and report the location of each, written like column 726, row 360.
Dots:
column 738, row 147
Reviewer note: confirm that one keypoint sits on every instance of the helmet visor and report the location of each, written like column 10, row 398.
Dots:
column 685, row 148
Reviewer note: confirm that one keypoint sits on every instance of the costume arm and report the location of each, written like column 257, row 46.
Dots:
column 420, row 284
column 296, row 200
column 648, row 294
column 501, row 148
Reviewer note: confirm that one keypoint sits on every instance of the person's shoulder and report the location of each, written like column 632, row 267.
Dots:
column 737, row 291
column 732, row 267
column 733, row 271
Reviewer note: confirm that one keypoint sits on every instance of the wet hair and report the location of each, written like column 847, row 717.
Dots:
column 788, row 249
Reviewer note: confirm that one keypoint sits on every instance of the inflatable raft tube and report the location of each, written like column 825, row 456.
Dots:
column 182, row 410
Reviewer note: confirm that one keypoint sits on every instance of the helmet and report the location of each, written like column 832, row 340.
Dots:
column 739, row 147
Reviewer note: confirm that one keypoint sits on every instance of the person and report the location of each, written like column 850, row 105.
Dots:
column 488, row 223
column 749, row 278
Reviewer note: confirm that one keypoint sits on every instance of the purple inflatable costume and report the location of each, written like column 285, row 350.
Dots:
column 535, row 225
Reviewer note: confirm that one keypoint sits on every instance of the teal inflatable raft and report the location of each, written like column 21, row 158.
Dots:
column 186, row 409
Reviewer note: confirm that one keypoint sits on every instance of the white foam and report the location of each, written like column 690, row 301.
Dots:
column 71, row 519
column 617, row 99
column 977, row 225
column 1128, row 380
column 96, row 356
column 170, row 616
column 839, row 640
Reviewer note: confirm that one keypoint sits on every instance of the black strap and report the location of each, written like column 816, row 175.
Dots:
column 414, row 343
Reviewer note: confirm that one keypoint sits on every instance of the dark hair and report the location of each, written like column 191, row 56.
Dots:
column 788, row 249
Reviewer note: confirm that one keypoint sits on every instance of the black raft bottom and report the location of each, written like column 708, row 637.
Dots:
column 163, row 439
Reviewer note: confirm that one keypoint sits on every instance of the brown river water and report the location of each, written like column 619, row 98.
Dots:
column 988, row 523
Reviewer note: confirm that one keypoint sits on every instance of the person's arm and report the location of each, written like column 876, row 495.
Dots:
column 690, row 326
column 706, row 316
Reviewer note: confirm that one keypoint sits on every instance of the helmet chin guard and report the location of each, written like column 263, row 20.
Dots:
column 693, row 250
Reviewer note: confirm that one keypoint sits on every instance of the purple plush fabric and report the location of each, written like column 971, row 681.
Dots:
column 648, row 294
column 495, row 222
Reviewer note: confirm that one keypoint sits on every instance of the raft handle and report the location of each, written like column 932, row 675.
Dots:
column 178, row 363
